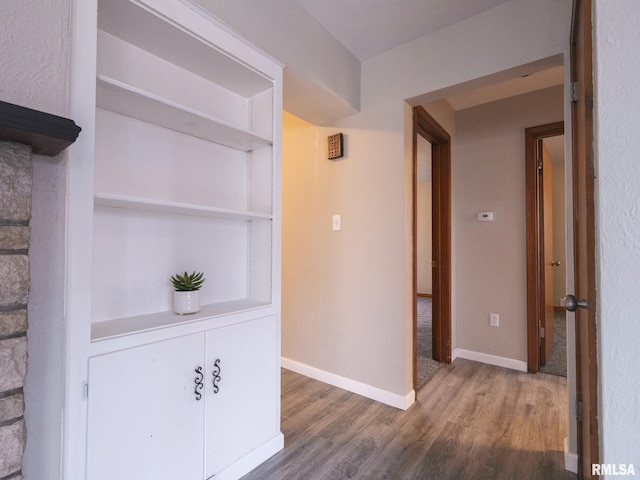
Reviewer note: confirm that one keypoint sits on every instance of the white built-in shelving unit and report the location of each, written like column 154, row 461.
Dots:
column 183, row 175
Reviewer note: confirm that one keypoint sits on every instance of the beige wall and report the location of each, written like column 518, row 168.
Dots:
column 491, row 256
column 337, row 316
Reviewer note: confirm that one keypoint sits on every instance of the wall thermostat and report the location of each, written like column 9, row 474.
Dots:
column 485, row 217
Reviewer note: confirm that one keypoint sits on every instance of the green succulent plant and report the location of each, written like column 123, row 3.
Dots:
column 188, row 282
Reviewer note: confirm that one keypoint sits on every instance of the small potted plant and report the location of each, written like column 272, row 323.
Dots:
column 186, row 295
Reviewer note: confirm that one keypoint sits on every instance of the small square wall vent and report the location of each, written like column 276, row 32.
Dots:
column 335, row 146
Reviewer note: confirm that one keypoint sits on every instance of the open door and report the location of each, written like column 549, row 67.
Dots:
column 583, row 300
column 540, row 259
column 546, row 343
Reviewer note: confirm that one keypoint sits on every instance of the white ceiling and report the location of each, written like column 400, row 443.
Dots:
column 369, row 27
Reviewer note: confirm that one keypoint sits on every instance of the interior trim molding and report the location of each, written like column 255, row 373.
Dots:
column 489, row 359
column 245, row 464
column 570, row 458
column 426, row 126
column 353, row 386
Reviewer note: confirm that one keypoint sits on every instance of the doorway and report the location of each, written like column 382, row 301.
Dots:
column 426, row 365
column 556, row 359
column 426, row 128
column 545, row 250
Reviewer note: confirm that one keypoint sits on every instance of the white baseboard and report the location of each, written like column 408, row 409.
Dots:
column 570, row 458
column 353, row 386
column 490, row 359
column 247, row 463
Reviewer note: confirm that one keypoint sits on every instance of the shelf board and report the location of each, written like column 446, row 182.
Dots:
column 133, row 203
column 128, row 100
column 120, row 327
column 146, row 28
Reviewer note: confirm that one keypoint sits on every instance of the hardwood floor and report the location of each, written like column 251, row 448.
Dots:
column 471, row 421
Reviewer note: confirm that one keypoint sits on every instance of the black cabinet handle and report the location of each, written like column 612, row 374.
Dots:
column 199, row 383
column 216, row 375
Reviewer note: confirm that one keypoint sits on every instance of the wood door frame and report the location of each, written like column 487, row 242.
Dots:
column 584, row 237
column 426, row 126
column 535, row 235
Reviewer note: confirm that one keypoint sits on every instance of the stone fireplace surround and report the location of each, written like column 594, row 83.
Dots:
column 22, row 132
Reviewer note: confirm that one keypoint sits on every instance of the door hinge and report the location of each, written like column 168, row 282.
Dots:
column 85, row 390
column 433, row 263
column 541, row 332
column 539, row 164
column 579, row 411
column 574, row 92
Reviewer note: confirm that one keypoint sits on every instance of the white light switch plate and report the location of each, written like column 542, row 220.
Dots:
column 337, row 223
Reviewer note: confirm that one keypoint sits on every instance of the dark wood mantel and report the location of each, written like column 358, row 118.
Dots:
column 47, row 134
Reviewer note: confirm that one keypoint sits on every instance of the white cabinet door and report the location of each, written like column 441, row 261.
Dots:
column 243, row 414
column 145, row 422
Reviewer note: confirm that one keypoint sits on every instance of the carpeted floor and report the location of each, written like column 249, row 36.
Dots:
column 426, row 365
column 557, row 364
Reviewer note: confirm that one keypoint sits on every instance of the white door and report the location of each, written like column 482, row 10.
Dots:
column 145, row 422
column 243, row 414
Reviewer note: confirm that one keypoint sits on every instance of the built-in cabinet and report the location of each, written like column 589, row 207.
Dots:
column 187, row 407
column 145, row 415
column 183, row 175
column 240, row 365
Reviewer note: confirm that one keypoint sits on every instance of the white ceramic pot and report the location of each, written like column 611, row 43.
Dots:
column 186, row 302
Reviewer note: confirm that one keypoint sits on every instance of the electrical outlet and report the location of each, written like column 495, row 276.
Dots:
column 494, row 320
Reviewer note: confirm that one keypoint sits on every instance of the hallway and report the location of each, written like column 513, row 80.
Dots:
column 471, row 421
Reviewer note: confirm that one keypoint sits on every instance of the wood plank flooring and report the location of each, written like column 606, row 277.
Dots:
column 471, row 421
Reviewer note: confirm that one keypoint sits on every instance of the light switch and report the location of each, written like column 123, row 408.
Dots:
column 337, row 223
